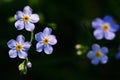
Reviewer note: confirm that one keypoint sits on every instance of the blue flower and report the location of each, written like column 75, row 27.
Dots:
column 105, row 28
column 45, row 41
column 18, row 47
column 117, row 56
column 26, row 19
column 98, row 54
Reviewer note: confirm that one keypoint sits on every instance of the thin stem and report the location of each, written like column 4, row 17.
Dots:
column 32, row 36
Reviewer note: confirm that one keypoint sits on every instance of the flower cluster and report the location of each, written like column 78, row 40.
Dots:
column 25, row 19
column 105, row 28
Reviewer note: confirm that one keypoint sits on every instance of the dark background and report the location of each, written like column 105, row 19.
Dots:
column 71, row 23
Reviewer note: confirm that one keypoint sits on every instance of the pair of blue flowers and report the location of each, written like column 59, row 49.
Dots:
column 45, row 39
column 105, row 28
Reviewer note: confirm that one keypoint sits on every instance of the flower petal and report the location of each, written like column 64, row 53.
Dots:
column 20, row 39
column 13, row 53
column 97, row 23
column 12, row 43
column 29, row 26
column 18, row 15
column 104, row 50
column 109, row 35
column 27, row 10
column 90, row 54
column 104, row 59
column 108, row 19
column 22, row 54
column 47, row 31
column 39, row 46
column 48, row 49
column 26, row 46
column 114, row 27
column 39, row 36
column 95, row 47
column 52, row 39
column 34, row 18
column 95, row 61
column 98, row 34
column 117, row 56
column 19, row 24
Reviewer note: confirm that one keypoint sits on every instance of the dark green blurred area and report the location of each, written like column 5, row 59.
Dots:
column 71, row 23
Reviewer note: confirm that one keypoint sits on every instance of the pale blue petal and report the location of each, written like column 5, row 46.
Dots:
column 95, row 61
column 12, row 43
column 109, row 35
column 95, row 47
column 26, row 45
column 29, row 26
column 22, row 54
column 12, row 53
column 47, row 31
column 18, row 15
column 114, row 27
column 20, row 39
column 39, row 46
column 19, row 25
column 104, row 59
column 98, row 34
column 52, row 39
column 108, row 19
column 48, row 49
column 104, row 50
column 97, row 23
column 39, row 36
column 34, row 18
column 90, row 54
column 27, row 10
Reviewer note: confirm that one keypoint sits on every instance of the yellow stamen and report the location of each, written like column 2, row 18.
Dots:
column 19, row 47
column 98, row 54
column 105, row 27
column 45, row 41
column 26, row 18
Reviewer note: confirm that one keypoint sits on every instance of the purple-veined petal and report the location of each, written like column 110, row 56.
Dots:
column 48, row 49
column 98, row 34
column 39, row 36
column 20, row 39
column 26, row 45
column 34, row 18
column 90, row 54
column 95, row 47
column 29, row 26
column 95, row 61
column 104, row 59
column 97, row 23
column 104, row 50
column 12, row 53
column 22, row 54
column 47, row 31
column 18, row 15
column 19, row 25
column 39, row 46
column 27, row 10
column 12, row 43
column 52, row 39
column 108, row 19
column 109, row 35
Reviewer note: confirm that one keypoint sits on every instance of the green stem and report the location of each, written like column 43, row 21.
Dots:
column 32, row 36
